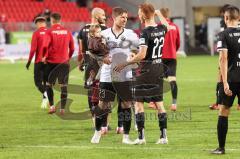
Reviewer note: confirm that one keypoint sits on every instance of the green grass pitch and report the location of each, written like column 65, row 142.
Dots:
column 27, row 132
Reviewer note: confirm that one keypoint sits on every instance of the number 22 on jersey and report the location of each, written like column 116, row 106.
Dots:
column 157, row 49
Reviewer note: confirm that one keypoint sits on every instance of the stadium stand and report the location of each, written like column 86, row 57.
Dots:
column 26, row 10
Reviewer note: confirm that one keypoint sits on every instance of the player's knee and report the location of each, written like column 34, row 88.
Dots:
column 224, row 111
column 172, row 78
column 126, row 104
column 104, row 105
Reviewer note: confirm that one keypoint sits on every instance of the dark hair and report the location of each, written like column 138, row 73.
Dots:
column 233, row 13
column 224, row 7
column 118, row 11
column 147, row 9
column 56, row 17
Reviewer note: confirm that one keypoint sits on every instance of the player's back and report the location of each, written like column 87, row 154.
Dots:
column 153, row 37
column 61, row 41
column 172, row 42
column 40, row 43
column 230, row 40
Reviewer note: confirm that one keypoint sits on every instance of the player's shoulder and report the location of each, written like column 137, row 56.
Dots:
column 106, row 31
column 129, row 31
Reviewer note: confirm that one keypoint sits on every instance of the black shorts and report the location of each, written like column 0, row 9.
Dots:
column 170, row 67
column 108, row 91
column 58, row 72
column 40, row 73
column 228, row 100
column 148, row 86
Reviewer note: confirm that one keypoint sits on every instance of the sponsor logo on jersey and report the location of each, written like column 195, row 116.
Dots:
column 123, row 38
column 60, row 32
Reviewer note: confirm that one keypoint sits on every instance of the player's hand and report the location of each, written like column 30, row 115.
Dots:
column 28, row 65
column 132, row 55
column 106, row 60
column 157, row 12
column 227, row 91
column 44, row 60
column 120, row 67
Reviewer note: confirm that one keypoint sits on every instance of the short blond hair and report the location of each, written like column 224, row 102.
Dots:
column 93, row 29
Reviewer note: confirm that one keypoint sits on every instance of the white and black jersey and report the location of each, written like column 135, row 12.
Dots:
column 153, row 38
column 120, row 49
column 229, row 40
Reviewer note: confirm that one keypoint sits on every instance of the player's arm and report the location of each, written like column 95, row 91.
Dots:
column 71, row 46
column 223, row 63
column 32, row 50
column 164, row 21
column 135, row 58
column 178, row 41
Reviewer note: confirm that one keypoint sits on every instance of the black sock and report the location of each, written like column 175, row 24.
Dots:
column 63, row 97
column 99, row 113
column 104, row 119
column 222, row 129
column 98, row 123
column 39, row 85
column 217, row 93
column 50, row 95
column 162, row 119
column 140, row 119
column 127, row 119
column 174, row 90
column 120, row 114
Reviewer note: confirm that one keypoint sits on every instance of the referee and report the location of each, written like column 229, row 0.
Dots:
column 229, row 60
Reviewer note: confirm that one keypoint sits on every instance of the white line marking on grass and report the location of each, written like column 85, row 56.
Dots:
column 132, row 147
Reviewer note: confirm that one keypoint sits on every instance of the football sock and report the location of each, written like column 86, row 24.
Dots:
column 63, row 96
column 140, row 119
column 162, row 119
column 104, row 119
column 120, row 115
column 98, row 118
column 222, row 129
column 50, row 95
column 127, row 119
column 174, row 90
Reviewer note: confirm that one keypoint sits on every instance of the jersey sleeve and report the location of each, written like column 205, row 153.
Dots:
column 80, row 36
column 143, row 40
column 221, row 42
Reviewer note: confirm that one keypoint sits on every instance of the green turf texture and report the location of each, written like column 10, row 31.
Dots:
column 27, row 132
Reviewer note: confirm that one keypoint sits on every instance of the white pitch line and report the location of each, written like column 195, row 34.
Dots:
column 133, row 147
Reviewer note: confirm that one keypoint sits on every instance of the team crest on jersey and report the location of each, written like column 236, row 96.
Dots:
column 123, row 38
column 231, row 35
